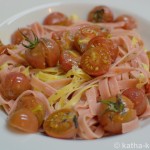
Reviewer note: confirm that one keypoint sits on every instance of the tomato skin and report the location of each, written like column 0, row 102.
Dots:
column 130, row 22
column 105, row 42
column 34, row 105
column 100, row 14
column 137, row 96
column 111, row 120
column 69, row 58
column 24, row 120
column 84, row 35
column 14, row 84
column 45, row 53
column 60, row 124
column 17, row 37
column 56, row 18
column 96, row 61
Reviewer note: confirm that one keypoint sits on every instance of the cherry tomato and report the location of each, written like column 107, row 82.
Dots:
column 130, row 22
column 17, row 37
column 147, row 88
column 14, row 84
column 57, row 18
column 137, row 96
column 34, row 105
column 100, row 14
column 105, row 42
column 84, row 35
column 64, row 39
column 44, row 53
column 69, row 58
column 96, row 61
column 61, row 124
column 114, row 112
column 24, row 120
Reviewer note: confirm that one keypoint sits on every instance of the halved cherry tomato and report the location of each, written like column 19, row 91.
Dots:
column 114, row 112
column 69, row 58
column 14, row 84
column 137, row 96
column 44, row 53
column 61, row 124
column 105, row 42
column 64, row 39
column 17, row 37
column 130, row 22
column 34, row 105
column 57, row 18
column 100, row 14
column 96, row 61
column 24, row 120
column 84, row 35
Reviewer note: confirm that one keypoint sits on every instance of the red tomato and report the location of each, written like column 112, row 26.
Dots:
column 24, row 120
column 105, row 42
column 14, row 84
column 45, row 53
column 130, row 22
column 69, row 58
column 34, row 105
column 61, row 124
column 147, row 88
column 114, row 112
column 17, row 37
column 96, row 61
column 56, row 18
column 137, row 96
column 64, row 39
column 100, row 14
column 84, row 35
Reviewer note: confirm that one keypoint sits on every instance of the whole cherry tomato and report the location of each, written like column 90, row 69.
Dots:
column 57, row 18
column 14, row 84
column 101, row 14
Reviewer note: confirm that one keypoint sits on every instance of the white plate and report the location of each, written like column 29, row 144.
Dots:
column 21, row 13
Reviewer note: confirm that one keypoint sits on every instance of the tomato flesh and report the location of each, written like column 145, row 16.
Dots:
column 96, row 61
column 24, row 120
column 61, row 124
column 105, row 42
